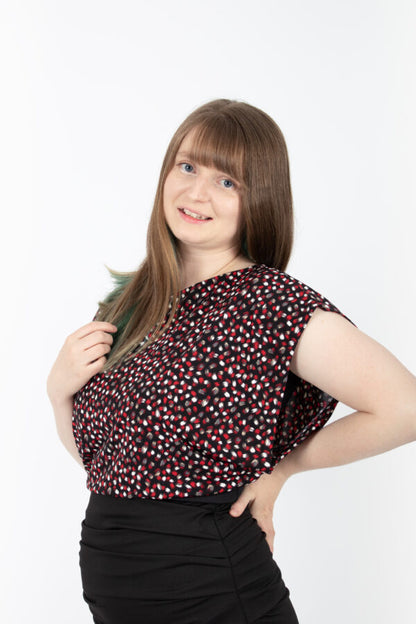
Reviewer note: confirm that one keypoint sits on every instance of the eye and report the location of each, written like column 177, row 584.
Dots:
column 185, row 165
column 229, row 183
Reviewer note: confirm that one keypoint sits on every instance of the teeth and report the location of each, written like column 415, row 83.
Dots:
column 193, row 214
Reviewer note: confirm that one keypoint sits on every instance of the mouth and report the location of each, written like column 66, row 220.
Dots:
column 195, row 216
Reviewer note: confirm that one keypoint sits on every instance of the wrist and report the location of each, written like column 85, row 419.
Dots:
column 59, row 401
column 286, row 467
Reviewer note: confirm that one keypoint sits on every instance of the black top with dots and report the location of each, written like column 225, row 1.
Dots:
column 211, row 405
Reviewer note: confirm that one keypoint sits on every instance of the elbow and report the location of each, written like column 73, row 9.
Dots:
column 397, row 425
column 409, row 409
column 414, row 427
column 409, row 417
column 398, row 412
column 407, row 422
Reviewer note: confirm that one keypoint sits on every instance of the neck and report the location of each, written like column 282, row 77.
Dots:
column 196, row 267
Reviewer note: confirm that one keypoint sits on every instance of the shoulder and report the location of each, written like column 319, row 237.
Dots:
column 296, row 317
column 280, row 291
column 273, row 280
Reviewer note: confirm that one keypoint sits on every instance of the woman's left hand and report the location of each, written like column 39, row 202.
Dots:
column 260, row 496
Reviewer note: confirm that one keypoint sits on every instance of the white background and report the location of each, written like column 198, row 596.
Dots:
column 92, row 92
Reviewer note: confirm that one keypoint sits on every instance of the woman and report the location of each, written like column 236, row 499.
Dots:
column 219, row 380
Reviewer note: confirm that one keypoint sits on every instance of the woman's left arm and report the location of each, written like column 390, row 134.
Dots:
column 338, row 358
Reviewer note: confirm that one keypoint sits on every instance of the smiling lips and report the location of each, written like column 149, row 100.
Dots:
column 194, row 215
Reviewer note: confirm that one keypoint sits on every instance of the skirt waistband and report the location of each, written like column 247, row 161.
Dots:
column 148, row 514
column 225, row 497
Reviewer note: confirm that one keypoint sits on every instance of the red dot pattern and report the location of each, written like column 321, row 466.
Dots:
column 212, row 404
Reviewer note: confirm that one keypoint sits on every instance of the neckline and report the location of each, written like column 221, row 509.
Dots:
column 215, row 278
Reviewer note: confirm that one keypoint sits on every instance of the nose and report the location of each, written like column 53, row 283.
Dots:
column 199, row 187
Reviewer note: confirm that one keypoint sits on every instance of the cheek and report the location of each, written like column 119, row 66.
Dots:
column 165, row 189
column 171, row 188
column 164, row 212
column 167, row 193
column 236, row 210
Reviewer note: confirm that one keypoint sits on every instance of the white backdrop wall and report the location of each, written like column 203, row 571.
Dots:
column 92, row 91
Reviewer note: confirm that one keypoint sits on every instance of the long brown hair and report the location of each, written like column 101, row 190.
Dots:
column 245, row 143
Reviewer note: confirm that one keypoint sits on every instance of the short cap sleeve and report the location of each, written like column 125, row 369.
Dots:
column 305, row 408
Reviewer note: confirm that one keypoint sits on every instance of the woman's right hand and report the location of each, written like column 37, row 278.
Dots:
column 83, row 355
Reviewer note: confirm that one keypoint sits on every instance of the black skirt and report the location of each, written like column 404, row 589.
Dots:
column 165, row 562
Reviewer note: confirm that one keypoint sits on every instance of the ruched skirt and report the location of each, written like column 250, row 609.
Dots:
column 148, row 561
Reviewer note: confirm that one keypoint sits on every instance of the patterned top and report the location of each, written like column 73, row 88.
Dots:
column 211, row 404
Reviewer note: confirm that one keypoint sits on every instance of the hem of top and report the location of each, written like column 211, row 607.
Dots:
column 229, row 496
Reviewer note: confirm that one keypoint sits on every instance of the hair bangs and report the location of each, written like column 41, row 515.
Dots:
column 219, row 143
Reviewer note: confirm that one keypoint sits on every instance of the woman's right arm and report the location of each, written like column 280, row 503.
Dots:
column 63, row 420
column 82, row 356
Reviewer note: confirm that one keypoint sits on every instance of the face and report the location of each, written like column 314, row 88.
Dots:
column 202, row 205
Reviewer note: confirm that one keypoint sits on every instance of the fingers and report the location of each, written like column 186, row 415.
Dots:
column 265, row 519
column 82, row 355
column 261, row 508
column 86, row 345
column 94, row 339
column 91, row 355
column 94, row 326
column 240, row 504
